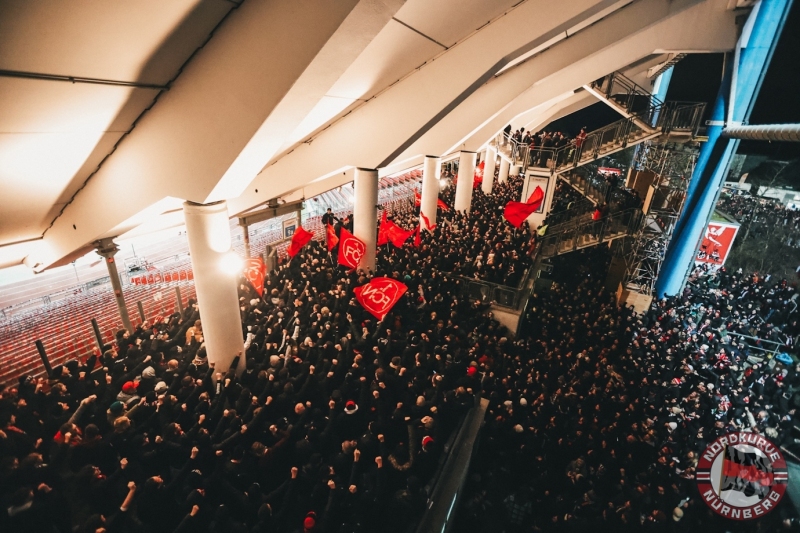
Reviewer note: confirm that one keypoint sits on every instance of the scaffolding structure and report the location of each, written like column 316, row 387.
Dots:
column 672, row 164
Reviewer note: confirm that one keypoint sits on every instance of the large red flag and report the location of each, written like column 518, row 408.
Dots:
column 441, row 205
column 351, row 249
column 299, row 239
column 379, row 295
column 333, row 240
column 478, row 178
column 517, row 212
column 255, row 271
column 398, row 235
column 383, row 236
column 417, row 237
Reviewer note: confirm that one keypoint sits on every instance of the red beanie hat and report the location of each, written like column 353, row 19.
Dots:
column 471, row 371
column 426, row 440
column 129, row 387
column 310, row 520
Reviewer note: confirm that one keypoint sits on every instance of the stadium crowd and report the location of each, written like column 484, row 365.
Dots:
column 338, row 422
column 762, row 215
column 598, row 416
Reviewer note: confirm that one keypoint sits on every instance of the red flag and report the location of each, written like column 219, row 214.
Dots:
column 383, row 236
column 255, row 271
column 299, row 239
column 441, row 205
column 478, row 178
column 517, row 212
column 427, row 221
column 379, row 295
column 417, row 237
column 417, row 198
column 351, row 249
column 333, row 240
column 398, row 235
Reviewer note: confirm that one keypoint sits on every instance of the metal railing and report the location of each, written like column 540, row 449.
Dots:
column 588, row 183
column 656, row 119
column 625, row 92
column 572, row 211
column 584, row 233
column 506, row 296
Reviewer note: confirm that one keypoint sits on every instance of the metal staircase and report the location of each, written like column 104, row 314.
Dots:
column 644, row 118
column 583, row 232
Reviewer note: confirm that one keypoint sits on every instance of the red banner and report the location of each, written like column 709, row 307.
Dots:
column 717, row 243
column 398, row 235
column 351, row 249
column 255, row 271
column 417, row 198
column 417, row 237
column 380, row 295
column 332, row 239
column 517, row 212
column 427, row 222
column 478, row 179
column 383, row 235
column 441, row 205
column 300, row 238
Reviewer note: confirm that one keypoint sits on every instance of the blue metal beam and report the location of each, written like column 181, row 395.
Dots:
column 740, row 86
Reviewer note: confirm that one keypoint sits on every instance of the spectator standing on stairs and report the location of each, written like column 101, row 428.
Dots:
column 579, row 140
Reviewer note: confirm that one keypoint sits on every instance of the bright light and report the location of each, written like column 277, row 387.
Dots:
column 443, row 183
column 231, row 263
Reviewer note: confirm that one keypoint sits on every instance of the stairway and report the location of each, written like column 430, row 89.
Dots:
column 584, row 232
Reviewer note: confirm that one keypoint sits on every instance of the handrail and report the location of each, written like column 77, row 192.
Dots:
column 572, row 211
column 616, row 84
column 590, row 233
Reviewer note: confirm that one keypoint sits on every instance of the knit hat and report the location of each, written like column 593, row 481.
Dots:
column 426, row 441
column 129, row 387
column 310, row 520
column 350, row 407
column 471, row 371
column 116, row 408
column 161, row 387
column 149, row 372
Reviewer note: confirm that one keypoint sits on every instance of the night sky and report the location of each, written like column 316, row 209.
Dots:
column 697, row 78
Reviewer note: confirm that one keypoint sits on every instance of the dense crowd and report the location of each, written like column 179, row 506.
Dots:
column 481, row 244
column 339, row 420
column 760, row 216
column 598, row 416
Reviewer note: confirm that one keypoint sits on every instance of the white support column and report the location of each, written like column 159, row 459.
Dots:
column 516, row 170
column 216, row 270
column 365, row 214
column 466, row 179
column 428, row 204
column 488, row 170
column 504, row 166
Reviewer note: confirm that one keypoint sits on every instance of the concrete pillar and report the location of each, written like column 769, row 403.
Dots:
column 365, row 214
column 466, row 178
column 216, row 271
column 431, row 172
column 515, row 170
column 502, row 177
column 107, row 249
column 246, row 240
column 488, row 170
